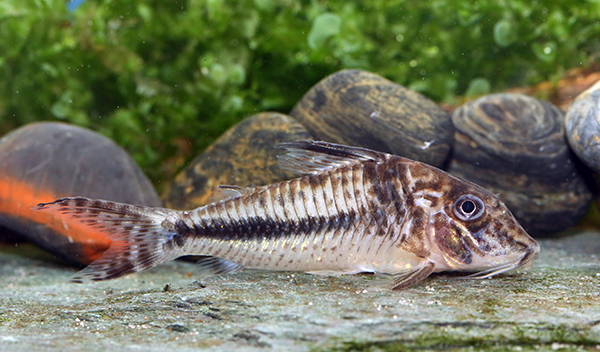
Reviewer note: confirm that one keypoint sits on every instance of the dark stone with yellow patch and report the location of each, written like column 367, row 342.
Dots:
column 42, row 162
column 515, row 146
column 362, row 109
column 246, row 155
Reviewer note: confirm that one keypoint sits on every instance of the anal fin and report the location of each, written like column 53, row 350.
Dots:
column 333, row 272
column 217, row 266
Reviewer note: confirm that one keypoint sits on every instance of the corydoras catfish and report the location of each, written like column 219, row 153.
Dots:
column 354, row 210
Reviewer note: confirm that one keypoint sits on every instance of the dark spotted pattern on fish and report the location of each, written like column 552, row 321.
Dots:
column 128, row 253
column 354, row 210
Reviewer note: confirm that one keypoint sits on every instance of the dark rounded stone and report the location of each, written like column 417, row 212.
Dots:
column 245, row 155
column 362, row 109
column 45, row 161
column 515, row 146
column 583, row 127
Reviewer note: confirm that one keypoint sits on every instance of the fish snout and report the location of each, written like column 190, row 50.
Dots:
column 531, row 254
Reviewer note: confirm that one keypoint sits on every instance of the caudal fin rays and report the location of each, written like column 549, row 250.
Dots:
column 138, row 237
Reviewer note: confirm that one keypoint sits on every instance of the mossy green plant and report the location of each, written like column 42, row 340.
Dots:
column 165, row 78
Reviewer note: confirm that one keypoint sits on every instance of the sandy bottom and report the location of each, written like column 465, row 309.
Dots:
column 553, row 306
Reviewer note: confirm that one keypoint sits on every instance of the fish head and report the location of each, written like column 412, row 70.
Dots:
column 471, row 229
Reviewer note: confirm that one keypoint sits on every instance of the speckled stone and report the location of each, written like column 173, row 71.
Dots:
column 245, row 155
column 515, row 145
column 362, row 109
column 45, row 161
column 583, row 130
column 583, row 126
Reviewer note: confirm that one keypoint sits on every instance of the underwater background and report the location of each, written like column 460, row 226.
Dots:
column 164, row 78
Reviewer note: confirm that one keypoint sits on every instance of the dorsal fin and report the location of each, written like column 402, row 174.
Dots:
column 313, row 157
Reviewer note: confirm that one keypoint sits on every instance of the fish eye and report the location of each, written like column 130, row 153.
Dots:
column 468, row 207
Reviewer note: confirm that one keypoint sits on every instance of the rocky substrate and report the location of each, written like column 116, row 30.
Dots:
column 553, row 306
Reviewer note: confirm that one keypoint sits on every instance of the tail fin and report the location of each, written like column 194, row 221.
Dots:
column 139, row 240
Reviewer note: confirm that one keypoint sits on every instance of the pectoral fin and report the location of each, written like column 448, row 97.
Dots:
column 408, row 278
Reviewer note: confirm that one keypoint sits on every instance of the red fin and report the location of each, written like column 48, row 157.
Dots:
column 140, row 242
column 73, row 243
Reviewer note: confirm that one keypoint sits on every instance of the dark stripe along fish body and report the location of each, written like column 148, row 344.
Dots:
column 354, row 210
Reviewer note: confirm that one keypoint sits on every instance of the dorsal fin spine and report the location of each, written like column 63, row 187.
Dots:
column 313, row 157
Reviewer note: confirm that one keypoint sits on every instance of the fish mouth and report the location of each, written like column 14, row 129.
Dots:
column 524, row 261
column 529, row 256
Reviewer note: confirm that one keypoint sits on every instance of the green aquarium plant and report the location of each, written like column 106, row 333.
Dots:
column 165, row 78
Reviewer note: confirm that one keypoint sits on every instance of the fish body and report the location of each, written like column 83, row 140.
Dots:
column 354, row 210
